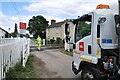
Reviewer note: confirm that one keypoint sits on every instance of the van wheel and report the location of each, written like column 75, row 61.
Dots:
column 89, row 73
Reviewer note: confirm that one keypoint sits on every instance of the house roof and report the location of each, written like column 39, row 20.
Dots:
column 58, row 24
column 5, row 31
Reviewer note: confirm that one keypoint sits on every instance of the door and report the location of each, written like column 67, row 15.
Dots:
column 83, row 38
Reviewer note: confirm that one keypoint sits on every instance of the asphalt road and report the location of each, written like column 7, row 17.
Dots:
column 53, row 64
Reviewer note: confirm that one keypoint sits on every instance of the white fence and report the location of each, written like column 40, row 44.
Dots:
column 13, row 50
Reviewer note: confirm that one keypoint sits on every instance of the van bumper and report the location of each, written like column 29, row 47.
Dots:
column 74, row 69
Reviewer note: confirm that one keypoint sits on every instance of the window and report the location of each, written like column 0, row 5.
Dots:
column 57, row 30
column 83, row 27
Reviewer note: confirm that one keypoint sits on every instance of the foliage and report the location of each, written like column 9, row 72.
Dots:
column 23, row 35
column 84, row 29
column 15, row 33
column 19, row 72
column 59, row 40
column 37, row 26
column 70, row 53
column 16, row 28
column 6, row 35
column 52, row 41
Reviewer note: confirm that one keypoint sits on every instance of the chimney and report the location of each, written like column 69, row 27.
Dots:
column 53, row 21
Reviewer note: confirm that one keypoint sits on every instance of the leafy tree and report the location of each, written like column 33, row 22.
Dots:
column 15, row 31
column 37, row 26
column 6, row 35
column 84, row 29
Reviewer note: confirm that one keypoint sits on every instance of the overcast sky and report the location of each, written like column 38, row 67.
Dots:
column 15, row 11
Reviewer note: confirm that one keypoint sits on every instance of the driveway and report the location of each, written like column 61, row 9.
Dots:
column 51, row 63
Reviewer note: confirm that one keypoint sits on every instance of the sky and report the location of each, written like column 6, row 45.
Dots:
column 15, row 11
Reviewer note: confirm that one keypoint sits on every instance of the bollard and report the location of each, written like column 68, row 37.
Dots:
column 43, row 42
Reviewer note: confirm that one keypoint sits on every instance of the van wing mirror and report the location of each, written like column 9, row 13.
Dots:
column 67, row 29
column 67, row 32
column 101, row 19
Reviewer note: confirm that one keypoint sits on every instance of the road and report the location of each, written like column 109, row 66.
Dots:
column 51, row 63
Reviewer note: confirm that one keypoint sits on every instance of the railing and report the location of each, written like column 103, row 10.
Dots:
column 13, row 50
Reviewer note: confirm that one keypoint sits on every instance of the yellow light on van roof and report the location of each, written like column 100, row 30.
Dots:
column 102, row 6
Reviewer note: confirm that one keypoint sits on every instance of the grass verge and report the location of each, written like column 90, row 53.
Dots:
column 19, row 72
column 69, row 53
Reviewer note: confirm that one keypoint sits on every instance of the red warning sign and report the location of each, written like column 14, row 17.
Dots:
column 22, row 25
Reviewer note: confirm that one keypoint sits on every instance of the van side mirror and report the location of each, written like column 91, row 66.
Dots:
column 67, row 29
column 67, row 32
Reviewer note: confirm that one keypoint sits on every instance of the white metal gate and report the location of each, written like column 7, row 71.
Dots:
column 13, row 50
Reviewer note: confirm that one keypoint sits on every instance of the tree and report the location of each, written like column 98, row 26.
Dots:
column 15, row 31
column 37, row 26
column 84, row 29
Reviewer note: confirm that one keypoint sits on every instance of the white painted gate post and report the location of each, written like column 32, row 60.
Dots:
column 0, row 59
column 43, row 42
column 23, row 56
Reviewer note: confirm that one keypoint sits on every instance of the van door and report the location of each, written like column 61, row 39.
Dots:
column 83, row 39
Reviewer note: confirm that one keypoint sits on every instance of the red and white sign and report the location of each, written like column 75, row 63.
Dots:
column 22, row 25
column 81, row 46
column 22, row 28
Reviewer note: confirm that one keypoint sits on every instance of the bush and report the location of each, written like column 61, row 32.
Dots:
column 59, row 41
column 52, row 41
